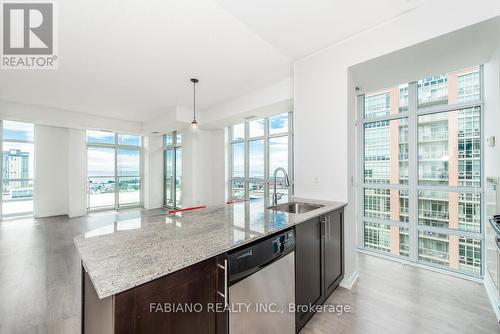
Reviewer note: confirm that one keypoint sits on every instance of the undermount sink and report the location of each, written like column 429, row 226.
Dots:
column 296, row 207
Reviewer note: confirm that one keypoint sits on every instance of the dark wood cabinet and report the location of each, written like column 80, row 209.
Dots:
column 144, row 309
column 319, row 261
column 333, row 255
column 308, row 267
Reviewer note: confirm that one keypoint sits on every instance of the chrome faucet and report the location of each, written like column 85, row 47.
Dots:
column 287, row 183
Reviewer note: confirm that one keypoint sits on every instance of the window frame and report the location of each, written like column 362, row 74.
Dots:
column 115, row 147
column 267, row 179
column 413, row 187
column 2, row 180
column 174, row 147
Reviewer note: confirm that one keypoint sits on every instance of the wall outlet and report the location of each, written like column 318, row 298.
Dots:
column 491, row 141
column 316, row 181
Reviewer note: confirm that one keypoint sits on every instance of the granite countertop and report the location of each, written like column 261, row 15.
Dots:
column 137, row 250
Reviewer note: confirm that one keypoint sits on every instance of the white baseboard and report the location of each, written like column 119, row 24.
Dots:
column 347, row 283
column 492, row 295
column 48, row 214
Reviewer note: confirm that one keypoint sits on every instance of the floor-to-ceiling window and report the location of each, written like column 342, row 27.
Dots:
column 172, row 147
column 17, row 168
column 421, row 171
column 256, row 148
column 113, row 170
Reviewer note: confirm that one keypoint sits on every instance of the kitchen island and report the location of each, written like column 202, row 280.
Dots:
column 160, row 258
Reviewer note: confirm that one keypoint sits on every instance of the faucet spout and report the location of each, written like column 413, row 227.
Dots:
column 287, row 183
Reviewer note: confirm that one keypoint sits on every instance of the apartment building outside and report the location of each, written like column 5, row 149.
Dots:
column 448, row 154
column 16, row 167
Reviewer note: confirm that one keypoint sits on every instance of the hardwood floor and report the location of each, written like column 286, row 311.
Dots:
column 393, row 298
column 40, row 272
column 40, row 287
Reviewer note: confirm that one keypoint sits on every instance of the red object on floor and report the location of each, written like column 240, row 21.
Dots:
column 188, row 209
column 236, row 201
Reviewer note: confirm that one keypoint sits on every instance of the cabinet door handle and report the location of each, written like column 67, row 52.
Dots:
column 329, row 228
column 324, row 228
column 224, row 295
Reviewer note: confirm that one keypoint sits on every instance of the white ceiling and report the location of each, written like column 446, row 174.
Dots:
column 299, row 27
column 131, row 59
column 442, row 54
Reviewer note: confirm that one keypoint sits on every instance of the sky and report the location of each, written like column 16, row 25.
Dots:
column 17, row 131
column 101, row 162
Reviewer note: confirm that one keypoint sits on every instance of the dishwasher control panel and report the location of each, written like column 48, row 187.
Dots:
column 283, row 242
column 250, row 259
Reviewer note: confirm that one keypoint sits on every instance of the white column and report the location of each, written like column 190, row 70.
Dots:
column 153, row 172
column 77, row 173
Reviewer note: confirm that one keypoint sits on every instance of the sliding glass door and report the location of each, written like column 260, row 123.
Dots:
column 113, row 170
column 421, row 177
column 101, row 177
column 129, row 176
column 172, row 145
column 17, row 169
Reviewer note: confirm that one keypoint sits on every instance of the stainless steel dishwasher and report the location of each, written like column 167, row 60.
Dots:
column 262, row 285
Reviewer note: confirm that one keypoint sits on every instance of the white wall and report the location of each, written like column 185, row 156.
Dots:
column 219, row 167
column 153, row 172
column 51, row 171
column 274, row 94
column 60, row 171
column 77, row 173
column 63, row 118
column 492, row 153
column 202, row 167
column 492, row 115
column 323, row 108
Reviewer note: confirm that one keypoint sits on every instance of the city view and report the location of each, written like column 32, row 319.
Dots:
column 17, row 168
column 255, row 135
column 113, row 169
column 172, row 147
column 449, row 155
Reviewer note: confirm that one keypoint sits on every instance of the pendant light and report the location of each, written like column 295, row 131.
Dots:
column 194, row 123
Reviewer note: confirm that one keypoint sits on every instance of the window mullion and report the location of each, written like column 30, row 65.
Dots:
column 173, row 189
column 266, row 157
column 1, row 170
column 291, row 176
column 247, row 162
column 412, row 170
column 361, row 168
column 483, row 174
column 230, row 161
column 116, row 172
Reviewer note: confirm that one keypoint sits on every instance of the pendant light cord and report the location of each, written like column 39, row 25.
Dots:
column 194, row 100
